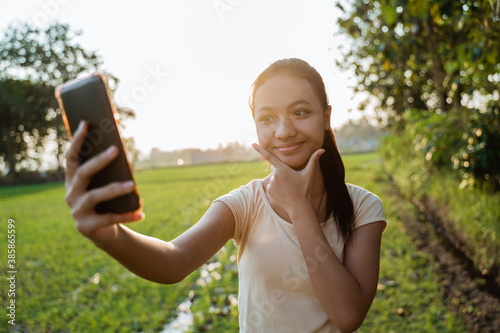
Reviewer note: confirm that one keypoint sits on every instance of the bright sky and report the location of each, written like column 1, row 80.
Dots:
column 186, row 66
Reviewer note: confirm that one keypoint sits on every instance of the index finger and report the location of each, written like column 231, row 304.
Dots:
column 72, row 162
column 269, row 157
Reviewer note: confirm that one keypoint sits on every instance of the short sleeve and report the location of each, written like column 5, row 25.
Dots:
column 368, row 207
column 241, row 202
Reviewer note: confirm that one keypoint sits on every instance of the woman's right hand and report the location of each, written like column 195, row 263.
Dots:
column 102, row 229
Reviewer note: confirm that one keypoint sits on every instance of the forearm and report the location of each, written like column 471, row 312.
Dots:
column 339, row 293
column 170, row 262
column 147, row 257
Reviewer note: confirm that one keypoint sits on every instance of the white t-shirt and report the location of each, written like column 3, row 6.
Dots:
column 275, row 291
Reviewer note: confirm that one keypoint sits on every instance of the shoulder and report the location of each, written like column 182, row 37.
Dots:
column 367, row 206
column 242, row 202
column 245, row 194
column 252, row 187
column 358, row 193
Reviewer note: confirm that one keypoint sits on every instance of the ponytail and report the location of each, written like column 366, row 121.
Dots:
column 338, row 200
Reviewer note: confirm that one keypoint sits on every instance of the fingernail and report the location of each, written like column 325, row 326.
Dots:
column 80, row 125
column 255, row 146
column 110, row 150
column 128, row 185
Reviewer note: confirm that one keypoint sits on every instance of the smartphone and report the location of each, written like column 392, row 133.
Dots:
column 89, row 99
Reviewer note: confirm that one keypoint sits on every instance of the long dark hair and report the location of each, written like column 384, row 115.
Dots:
column 338, row 202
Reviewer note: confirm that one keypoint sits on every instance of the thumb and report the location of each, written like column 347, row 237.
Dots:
column 314, row 160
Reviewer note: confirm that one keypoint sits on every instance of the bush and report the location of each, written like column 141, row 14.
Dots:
column 478, row 155
column 466, row 141
column 416, row 160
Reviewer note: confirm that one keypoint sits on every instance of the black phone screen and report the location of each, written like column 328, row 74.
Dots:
column 89, row 99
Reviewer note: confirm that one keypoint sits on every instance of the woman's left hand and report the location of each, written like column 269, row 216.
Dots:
column 290, row 188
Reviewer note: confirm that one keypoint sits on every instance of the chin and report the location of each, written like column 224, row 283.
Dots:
column 294, row 163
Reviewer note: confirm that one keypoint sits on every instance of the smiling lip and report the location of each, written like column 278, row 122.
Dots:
column 288, row 147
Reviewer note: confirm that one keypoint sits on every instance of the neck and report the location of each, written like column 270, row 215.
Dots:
column 318, row 194
column 318, row 183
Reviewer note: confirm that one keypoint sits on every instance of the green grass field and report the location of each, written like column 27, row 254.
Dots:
column 65, row 284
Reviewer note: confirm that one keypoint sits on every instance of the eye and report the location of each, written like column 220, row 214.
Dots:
column 300, row 113
column 265, row 119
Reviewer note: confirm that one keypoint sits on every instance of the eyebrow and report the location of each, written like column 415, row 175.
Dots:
column 291, row 105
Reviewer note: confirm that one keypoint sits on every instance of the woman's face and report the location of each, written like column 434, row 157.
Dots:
column 290, row 120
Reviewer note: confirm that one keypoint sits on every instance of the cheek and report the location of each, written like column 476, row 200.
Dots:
column 316, row 133
column 312, row 128
column 263, row 134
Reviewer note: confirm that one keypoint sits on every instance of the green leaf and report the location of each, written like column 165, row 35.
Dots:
column 389, row 13
column 451, row 66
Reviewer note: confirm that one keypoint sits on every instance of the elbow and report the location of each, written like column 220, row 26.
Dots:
column 349, row 327
column 171, row 280
column 349, row 324
column 166, row 279
column 350, row 318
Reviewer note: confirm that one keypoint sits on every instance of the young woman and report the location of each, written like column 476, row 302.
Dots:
column 309, row 244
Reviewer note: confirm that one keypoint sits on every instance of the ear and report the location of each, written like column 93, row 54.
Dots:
column 328, row 114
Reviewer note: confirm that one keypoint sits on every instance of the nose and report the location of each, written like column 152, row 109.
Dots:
column 285, row 129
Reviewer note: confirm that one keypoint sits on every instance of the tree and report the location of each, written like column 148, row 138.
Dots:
column 423, row 54
column 24, row 118
column 37, row 61
column 430, row 58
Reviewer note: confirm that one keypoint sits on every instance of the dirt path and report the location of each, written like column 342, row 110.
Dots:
column 465, row 293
